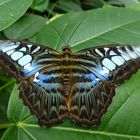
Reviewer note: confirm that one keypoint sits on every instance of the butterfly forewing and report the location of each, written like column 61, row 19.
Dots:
column 23, row 60
column 63, row 85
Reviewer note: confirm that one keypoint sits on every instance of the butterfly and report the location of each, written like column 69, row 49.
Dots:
column 78, row 86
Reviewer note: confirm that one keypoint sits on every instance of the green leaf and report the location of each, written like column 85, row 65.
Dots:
column 6, row 85
column 83, row 30
column 69, row 5
column 25, row 27
column 19, row 113
column 2, row 37
column 123, row 2
column 1, row 133
column 5, row 92
column 11, row 10
column 129, row 2
column 92, row 28
column 124, row 108
column 40, row 5
column 134, row 6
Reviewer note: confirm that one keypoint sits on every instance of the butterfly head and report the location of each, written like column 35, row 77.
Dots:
column 66, row 50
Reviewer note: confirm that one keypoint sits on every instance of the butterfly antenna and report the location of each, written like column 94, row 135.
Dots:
column 51, row 10
column 61, row 35
column 55, row 29
column 75, row 31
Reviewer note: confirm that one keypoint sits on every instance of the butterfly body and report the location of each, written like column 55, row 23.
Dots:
column 79, row 86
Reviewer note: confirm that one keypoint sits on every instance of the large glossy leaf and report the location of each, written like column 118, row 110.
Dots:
column 40, row 5
column 120, row 122
column 11, row 10
column 4, row 98
column 83, row 30
column 25, row 27
column 6, row 84
column 95, row 27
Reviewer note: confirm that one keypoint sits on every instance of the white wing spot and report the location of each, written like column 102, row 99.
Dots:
column 34, row 51
column 8, row 48
column 118, row 60
column 124, row 55
column 36, row 74
column 97, row 79
column 109, row 64
column 105, row 70
column 16, row 55
column 98, row 52
column 112, row 53
column 137, row 50
column 106, row 49
column 10, row 52
column 23, row 49
column 25, row 60
column 28, row 67
column 29, row 46
column 35, row 78
column 131, row 53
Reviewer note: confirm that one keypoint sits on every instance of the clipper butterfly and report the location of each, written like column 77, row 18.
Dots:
column 79, row 86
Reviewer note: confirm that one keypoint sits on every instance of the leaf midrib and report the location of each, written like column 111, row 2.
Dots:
column 6, row 1
column 105, row 133
column 119, row 108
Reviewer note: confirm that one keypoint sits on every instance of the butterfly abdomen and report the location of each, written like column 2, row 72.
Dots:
column 66, row 84
column 67, row 76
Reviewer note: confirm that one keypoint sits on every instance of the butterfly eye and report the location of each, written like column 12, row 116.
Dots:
column 66, row 50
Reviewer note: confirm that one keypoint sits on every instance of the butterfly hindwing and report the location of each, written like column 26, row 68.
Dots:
column 90, row 101
column 45, row 102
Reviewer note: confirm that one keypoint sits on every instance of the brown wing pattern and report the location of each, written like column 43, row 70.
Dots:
column 46, row 104
column 91, row 102
column 100, row 71
column 58, row 86
column 34, row 67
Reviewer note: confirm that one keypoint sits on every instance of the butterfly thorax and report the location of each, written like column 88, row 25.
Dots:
column 66, row 50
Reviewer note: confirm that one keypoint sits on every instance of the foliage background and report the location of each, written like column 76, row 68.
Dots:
column 54, row 23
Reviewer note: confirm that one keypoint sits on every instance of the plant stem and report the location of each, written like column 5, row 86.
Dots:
column 6, row 125
column 9, row 83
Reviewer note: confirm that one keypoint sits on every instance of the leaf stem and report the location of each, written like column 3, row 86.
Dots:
column 7, row 84
column 6, row 125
